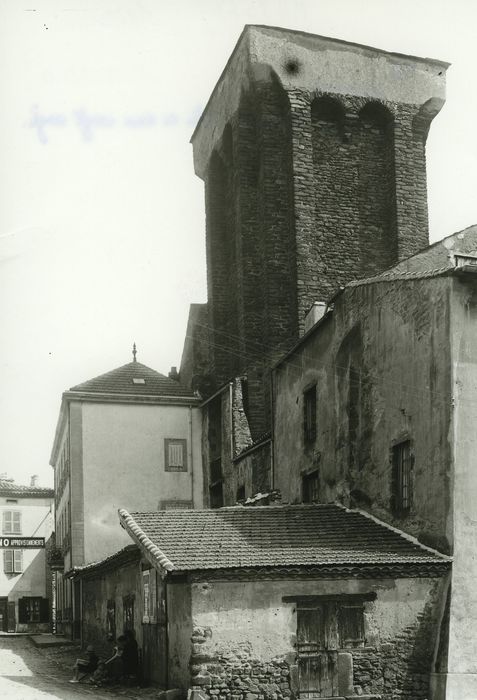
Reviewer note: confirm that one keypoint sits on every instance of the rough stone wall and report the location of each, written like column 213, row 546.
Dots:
column 235, row 656
column 249, row 245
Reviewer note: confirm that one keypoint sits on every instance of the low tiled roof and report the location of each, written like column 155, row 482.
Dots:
column 128, row 553
column 120, row 381
column 10, row 488
column 272, row 536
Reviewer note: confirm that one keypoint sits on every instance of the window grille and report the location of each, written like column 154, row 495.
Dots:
column 309, row 415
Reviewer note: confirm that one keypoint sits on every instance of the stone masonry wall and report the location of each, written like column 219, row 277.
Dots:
column 399, row 667
column 237, row 675
column 305, row 191
column 249, row 652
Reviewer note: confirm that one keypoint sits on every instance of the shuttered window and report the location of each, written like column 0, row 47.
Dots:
column 12, row 522
column 13, row 561
column 175, row 455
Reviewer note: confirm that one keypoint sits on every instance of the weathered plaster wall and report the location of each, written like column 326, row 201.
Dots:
column 179, row 634
column 244, row 636
column 381, row 363
column 462, row 652
column 115, row 584
column 123, row 457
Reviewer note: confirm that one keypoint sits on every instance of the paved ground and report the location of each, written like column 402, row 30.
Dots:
column 31, row 673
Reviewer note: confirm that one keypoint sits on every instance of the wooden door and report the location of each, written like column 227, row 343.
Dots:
column 12, row 621
column 3, row 615
column 317, row 645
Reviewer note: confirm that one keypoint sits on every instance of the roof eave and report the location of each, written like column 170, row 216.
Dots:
column 152, row 552
column 111, row 397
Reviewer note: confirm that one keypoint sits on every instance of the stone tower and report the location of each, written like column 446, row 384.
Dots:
column 312, row 151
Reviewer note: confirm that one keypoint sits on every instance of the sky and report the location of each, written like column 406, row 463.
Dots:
column 102, row 224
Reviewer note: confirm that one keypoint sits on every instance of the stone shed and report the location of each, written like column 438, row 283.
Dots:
column 311, row 601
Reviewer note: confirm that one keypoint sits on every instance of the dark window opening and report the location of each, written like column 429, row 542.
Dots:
column 111, row 619
column 311, row 487
column 241, row 493
column 216, row 495
column 403, row 467
column 33, row 610
column 128, row 612
column 309, row 415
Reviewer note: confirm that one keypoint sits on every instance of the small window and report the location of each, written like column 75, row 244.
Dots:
column 240, row 493
column 138, row 380
column 309, row 415
column 311, row 487
column 12, row 522
column 402, row 466
column 13, row 561
column 175, row 455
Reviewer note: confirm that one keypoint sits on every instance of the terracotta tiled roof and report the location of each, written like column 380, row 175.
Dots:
column 120, row 381
column 272, row 536
column 119, row 558
column 10, row 488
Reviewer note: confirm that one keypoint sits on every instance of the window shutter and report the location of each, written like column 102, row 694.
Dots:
column 44, row 610
column 17, row 523
column 18, row 561
column 176, row 454
column 8, row 561
column 7, row 521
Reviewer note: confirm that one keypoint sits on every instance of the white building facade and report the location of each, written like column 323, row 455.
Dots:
column 129, row 438
column 27, row 518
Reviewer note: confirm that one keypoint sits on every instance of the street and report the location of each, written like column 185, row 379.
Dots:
column 29, row 673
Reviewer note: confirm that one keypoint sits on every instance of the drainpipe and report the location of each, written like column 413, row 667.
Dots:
column 232, row 436
column 191, row 458
column 81, row 611
column 272, row 431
